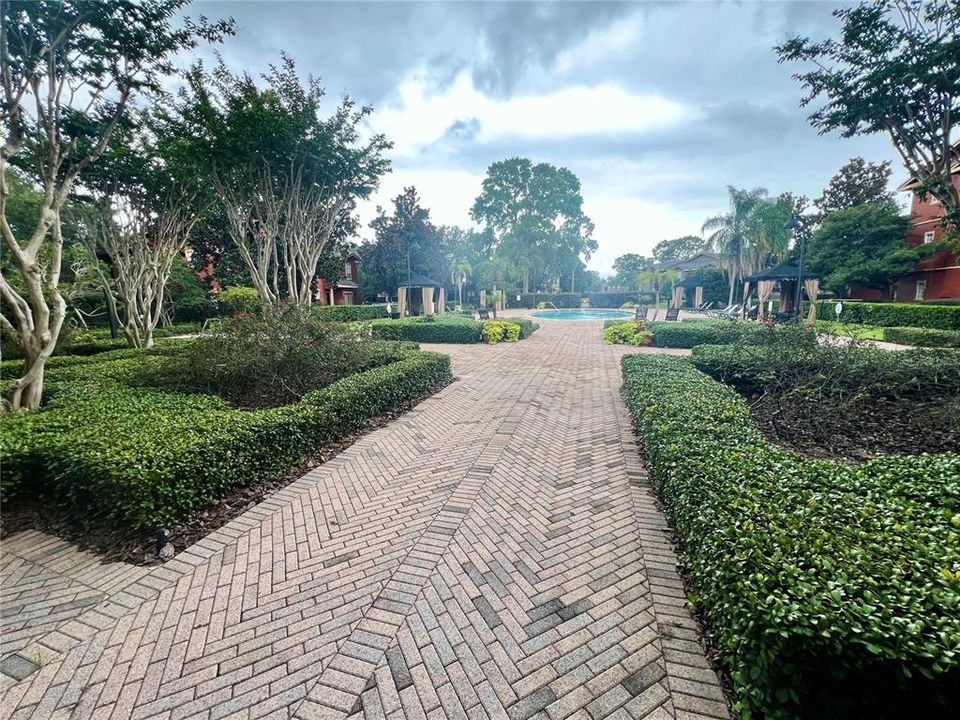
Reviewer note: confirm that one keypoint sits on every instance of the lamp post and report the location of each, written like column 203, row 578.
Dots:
column 792, row 225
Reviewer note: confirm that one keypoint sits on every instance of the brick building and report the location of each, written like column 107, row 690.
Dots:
column 345, row 291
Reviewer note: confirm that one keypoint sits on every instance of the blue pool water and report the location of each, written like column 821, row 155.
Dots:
column 582, row 314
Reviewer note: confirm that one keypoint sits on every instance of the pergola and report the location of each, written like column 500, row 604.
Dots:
column 786, row 277
column 417, row 297
column 676, row 299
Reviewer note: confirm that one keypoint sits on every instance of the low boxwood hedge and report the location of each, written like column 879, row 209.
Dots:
column 922, row 337
column 350, row 313
column 832, row 590
column 531, row 300
column 443, row 329
column 941, row 317
column 149, row 458
column 699, row 332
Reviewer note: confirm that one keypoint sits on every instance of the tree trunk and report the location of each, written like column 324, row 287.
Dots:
column 733, row 285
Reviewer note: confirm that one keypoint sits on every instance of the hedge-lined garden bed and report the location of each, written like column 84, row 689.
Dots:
column 941, row 317
column 690, row 333
column 453, row 329
column 350, row 313
column 149, row 458
column 832, row 590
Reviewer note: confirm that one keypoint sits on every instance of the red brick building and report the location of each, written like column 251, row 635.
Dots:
column 936, row 277
column 345, row 291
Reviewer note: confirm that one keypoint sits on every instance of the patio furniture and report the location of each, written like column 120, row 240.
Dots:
column 730, row 313
column 484, row 314
column 641, row 312
column 673, row 314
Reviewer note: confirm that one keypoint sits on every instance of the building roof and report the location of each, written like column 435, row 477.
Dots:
column 704, row 259
column 353, row 256
column 344, row 283
column 422, row 281
column 912, row 183
column 781, row 272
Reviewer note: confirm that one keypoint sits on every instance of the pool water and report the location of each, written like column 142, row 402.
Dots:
column 583, row 314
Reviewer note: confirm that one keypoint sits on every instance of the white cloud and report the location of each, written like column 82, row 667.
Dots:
column 420, row 118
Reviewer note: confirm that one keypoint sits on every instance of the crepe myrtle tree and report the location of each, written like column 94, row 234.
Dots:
column 286, row 178
column 895, row 68
column 69, row 71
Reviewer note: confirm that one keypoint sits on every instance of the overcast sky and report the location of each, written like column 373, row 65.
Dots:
column 656, row 107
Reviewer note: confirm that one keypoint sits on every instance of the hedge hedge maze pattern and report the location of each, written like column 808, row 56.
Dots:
column 496, row 552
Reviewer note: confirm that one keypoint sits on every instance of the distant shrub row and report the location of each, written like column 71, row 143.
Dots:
column 922, row 337
column 942, row 317
column 453, row 329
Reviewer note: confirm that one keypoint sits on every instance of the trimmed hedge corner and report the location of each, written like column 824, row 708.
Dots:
column 149, row 459
column 832, row 590
column 922, row 337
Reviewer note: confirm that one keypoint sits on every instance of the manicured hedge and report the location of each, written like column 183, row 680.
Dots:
column 149, row 459
column 530, row 300
column 349, row 313
column 612, row 299
column 453, row 329
column 941, row 317
column 832, row 590
column 699, row 332
column 922, row 337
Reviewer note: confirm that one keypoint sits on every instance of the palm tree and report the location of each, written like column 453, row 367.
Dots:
column 461, row 271
column 733, row 234
column 659, row 278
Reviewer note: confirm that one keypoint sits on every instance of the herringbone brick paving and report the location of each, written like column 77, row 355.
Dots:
column 496, row 552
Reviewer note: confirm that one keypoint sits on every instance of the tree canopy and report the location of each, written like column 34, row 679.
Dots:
column 862, row 245
column 535, row 212
column 895, row 69
column 680, row 248
column 856, row 183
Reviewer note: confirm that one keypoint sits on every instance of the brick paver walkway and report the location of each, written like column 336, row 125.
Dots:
column 496, row 552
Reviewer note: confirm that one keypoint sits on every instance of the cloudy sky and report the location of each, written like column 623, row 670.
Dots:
column 656, row 107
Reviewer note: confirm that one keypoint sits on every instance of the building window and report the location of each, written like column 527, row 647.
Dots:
column 928, row 237
column 921, row 290
column 349, row 276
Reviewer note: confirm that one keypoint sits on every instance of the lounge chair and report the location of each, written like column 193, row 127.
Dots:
column 730, row 313
column 641, row 312
column 717, row 312
column 484, row 314
column 673, row 314
column 753, row 312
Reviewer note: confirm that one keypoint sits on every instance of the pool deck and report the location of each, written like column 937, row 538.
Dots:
column 496, row 552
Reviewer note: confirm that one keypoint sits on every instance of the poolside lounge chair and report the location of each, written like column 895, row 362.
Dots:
column 753, row 312
column 730, row 313
column 484, row 314
column 641, row 312
column 673, row 314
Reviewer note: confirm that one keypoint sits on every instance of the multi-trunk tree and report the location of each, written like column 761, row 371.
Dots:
column 286, row 178
column 70, row 72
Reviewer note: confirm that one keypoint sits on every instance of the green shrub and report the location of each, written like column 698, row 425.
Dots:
column 495, row 331
column 350, row 313
column 941, row 317
column 150, row 459
column 922, row 337
column 527, row 326
column 614, row 299
column 271, row 359
column 442, row 329
column 832, row 590
column 238, row 301
column 699, row 332
column 631, row 332
column 532, row 300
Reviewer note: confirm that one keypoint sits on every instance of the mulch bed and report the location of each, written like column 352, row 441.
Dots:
column 105, row 538
column 860, row 431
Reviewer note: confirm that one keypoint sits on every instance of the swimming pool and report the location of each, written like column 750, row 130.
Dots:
column 583, row 314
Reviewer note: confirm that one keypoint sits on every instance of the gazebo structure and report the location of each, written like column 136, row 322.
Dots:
column 786, row 277
column 680, row 289
column 421, row 296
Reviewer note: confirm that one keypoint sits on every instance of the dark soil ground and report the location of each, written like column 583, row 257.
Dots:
column 114, row 543
column 860, row 430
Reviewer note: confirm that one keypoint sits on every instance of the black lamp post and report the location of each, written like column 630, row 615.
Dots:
column 792, row 225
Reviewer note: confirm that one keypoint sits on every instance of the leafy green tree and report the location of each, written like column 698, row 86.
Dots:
column 732, row 234
column 856, row 183
column 662, row 282
column 536, row 215
column 286, row 177
column 894, row 69
column 680, row 248
column 459, row 276
column 407, row 233
column 627, row 269
column 862, row 245
column 71, row 71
